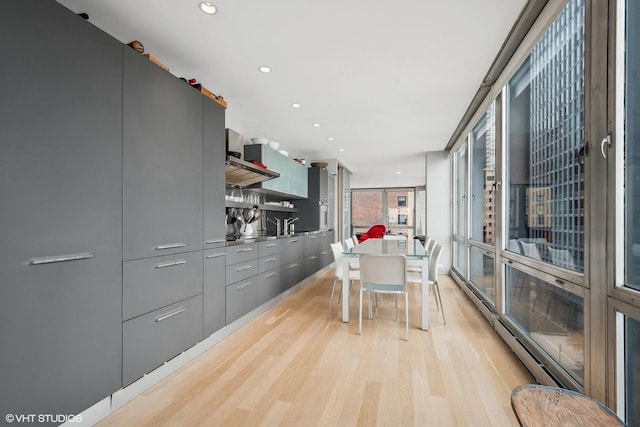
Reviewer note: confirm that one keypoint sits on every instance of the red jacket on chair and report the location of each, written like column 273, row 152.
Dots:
column 375, row 232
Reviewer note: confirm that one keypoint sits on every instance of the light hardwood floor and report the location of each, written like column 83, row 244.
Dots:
column 296, row 366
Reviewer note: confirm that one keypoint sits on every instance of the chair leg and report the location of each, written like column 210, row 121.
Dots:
column 439, row 298
column 333, row 290
column 406, row 312
column 360, row 315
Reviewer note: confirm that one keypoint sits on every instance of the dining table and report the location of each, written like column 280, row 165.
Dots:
column 415, row 254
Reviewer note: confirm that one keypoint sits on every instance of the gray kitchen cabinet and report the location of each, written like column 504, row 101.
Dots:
column 291, row 274
column 268, row 262
column 241, row 253
column 214, row 154
column 152, row 339
column 152, row 283
column 214, row 300
column 61, row 228
column 242, row 270
column 242, row 297
column 326, row 255
column 292, row 249
column 311, row 254
column 270, row 247
column 162, row 161
column 269, row 285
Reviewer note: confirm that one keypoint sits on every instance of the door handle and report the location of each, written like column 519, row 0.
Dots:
column 605, row 140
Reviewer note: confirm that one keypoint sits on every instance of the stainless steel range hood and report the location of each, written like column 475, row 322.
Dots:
column 241, row 173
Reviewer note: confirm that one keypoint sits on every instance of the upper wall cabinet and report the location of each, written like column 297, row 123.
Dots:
column 61, row 227
column 292, row 182
column 163, row 167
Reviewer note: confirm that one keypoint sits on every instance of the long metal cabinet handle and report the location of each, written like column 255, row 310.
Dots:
column 293, row 241
column 215, row 255
column 171, row 263
column 211, row 242
column 170, row 246
column 244, row 250
column 270, row 245
column 170, row 314
column 605, row 140
column 268, row 260
column 313, row 257
column 244, row 286
column 270, row 275
column 60, row 258
column 293, row 266
column 244, row 267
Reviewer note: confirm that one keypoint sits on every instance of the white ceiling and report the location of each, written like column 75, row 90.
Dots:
column 388, row 80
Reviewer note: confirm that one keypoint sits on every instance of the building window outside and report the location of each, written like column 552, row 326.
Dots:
column 483, row 165
column 460, row 188
column 545, row 116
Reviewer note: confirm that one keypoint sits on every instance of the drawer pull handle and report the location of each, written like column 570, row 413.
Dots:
column 244, row 267
column 215, row 255
column 211, row 242
column 244, row 286
column 170, row 246
column 270, row 275
column 244, row 250
column 293, row 265
column 171, row 263
column 293, row 241
column 170, row 314
column 270, row 245
column 313, row 237
column 313, row 257
column 60, row 258
column 268, row 260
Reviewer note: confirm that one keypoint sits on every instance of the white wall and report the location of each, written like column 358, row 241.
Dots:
column 438, row 184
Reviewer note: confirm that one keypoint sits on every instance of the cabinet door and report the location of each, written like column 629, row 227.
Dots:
column 214, row 290
column 292, row 249
column 162, row 161
column 280, row 164
column 214, row 185
column 299, row 179
column 61, row 192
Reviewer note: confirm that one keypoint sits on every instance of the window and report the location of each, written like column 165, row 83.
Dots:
column 545, row 122
column 483, row 177
column 402, row 201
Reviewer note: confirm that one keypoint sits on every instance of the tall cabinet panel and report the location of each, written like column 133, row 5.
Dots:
column 214, row 179
column 61, row 215
column 163, row 180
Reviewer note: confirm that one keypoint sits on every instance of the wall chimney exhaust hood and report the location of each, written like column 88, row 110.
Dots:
column 241, row 173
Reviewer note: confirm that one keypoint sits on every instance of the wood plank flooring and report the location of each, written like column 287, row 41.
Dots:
column 296, row 366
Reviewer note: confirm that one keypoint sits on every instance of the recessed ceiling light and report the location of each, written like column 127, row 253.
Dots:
column 207, row 7
column 295, row 105
column 342, row 149
column 315, row 125
column 398, row 172
column 330, row 138
column 264, row 69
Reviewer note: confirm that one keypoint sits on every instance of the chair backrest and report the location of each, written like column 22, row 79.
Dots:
column 349, row 243
column 383, row 269
column 355, row 239
column 337, row 250
column 562, row 258
column 429, row 247
column 513, row 246
column 434, row 260
column 530, row 250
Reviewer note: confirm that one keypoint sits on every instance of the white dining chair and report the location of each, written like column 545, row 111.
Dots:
column 416, row 277
column 384, row 274
column 530, row 250
column 355, row 240
column 562, row 258
column 338, row 257
column 349, row 243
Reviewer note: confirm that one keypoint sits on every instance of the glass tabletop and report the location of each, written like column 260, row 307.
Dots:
column 411, row 249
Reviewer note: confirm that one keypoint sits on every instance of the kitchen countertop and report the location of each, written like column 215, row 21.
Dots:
column 255, row 239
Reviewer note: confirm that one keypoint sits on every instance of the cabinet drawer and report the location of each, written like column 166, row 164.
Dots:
column 270, row 247
column 242, row 297
column 292, row 249
column 267, row 263
column 311, row 244
column 291, row 274
column 152, row 339
column 241, row 271
column 241, row 253
column 155, row 282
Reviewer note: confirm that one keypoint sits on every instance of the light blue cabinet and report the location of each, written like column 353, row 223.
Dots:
column 293, row 180
column 298, row 179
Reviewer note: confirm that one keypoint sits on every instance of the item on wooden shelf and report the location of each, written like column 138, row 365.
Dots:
column 136, row 45
column 156, row 61
column 301, row 161
column 321, row 165
column 260, row 140
column 206, row 92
